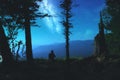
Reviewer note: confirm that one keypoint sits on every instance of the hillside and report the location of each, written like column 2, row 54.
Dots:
column 77, row 49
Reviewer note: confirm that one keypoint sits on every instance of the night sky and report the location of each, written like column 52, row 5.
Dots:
column 85, row 22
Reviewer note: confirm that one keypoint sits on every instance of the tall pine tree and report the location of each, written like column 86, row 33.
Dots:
column 24, row 13
column 66, row 5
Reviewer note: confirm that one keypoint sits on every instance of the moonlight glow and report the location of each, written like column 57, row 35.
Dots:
column 53, row 21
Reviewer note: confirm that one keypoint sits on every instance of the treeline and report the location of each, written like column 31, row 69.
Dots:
column 21, row 14
column 111, row 18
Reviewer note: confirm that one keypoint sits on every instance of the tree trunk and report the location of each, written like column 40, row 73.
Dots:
column 103, row 45
column 4, row 48
column 67, row 32
column 28, row 40
column 67, row 45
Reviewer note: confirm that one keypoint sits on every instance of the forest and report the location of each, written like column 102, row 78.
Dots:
column 17, row 15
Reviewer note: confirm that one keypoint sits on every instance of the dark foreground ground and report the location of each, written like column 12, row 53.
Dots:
column 85, row 69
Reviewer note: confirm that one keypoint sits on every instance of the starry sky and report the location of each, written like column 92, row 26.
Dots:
column 50, row 31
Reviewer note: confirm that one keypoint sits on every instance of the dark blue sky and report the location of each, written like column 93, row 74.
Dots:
column 85, row 22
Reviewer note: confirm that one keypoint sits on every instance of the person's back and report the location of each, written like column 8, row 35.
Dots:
column 52, row 55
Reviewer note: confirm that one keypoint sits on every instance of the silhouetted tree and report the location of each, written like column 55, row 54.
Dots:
column 25, row 11
column 113, row 10
column 23, row 14
column 29, row 13
column 111, row 20
column 17, row 53
column 29, row 8
column 12, row 28
column 4, row 46
column 101, row 47
column 66, row 6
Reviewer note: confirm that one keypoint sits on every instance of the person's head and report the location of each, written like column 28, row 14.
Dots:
column 52, row 51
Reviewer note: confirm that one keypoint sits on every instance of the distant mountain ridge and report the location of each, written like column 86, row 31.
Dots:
column 78, row 48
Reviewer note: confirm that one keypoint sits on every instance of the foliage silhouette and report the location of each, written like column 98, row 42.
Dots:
column 66, row 5
column 4, row 47
column 111, row 20
column 101, row 46
column 21, row 14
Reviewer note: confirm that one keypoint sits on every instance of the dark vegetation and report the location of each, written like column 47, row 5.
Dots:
column 85, row 69
column 21, row 14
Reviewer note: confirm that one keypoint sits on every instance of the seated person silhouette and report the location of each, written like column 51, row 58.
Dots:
column 52, row 56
